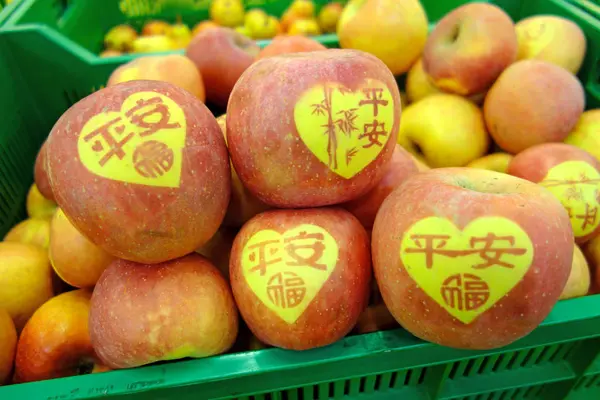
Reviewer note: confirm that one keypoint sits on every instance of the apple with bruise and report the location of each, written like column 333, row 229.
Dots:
column 142, row 314
column 55, row 343
column 221, row 55
column 131, row 166
column 365, row 207
column 469, row 48
column 573, row 177
column 301, row 278
column 332, row 138
column 470, row 258
column 40, row 174
column 75, row 259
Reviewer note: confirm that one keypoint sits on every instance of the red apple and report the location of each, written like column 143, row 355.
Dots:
column 133, row 165
column 329, row 141
column 301, row 277
column 221, row 55
column 141, row 314
column 573, row 177
column 40, row 174
column 471, row 258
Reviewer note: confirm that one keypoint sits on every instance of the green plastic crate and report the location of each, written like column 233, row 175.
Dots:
column 43, row 72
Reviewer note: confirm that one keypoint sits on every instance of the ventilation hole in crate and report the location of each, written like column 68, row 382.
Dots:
column 542, row 356
column 347, row 387
column 362, row 384
column 562, row 351
column 484, row 363
column 527, row 357
column 300, row 394
column 510, row 360
column 315, row 391
column 377, row 385
column 286, row 394
column 393, row 379
column 422, row 376
column 498, row 362
column 331, row 389
column 452, row 373
column 469, row 367
column 407, row 377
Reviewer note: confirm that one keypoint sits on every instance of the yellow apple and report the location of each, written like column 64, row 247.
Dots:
column 586, row 135
column 446, row 130
column 494, row 162
column 8, row 345
column 229, row 13
column 37, row 205
column 578, row 283
column 418, row 84
column 35, row 231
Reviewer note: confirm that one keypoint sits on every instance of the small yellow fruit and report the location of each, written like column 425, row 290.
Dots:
column 120, row 38
column 229, row 13
column 152, row 44
column 305, row 27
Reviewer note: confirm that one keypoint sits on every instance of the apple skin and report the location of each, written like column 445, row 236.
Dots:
column 286, row 173
column 35, row 231
column 395, row 31
column 553, row 39
column 461, row 195
column 25, row 280
column 289, row 44
column 8, row 345
column 494, row 162
column 535, row 163
column 578, row 284
column 532, row 102
column 221, row 55
column 591, row 250
column 40, row 174
column 365, row 207
column 336, row 307
column 37, row 205
column 469, row 48
column 55, row 343
column 75, row 259
column 141, row 314
column 585, row 134
column 138, row 220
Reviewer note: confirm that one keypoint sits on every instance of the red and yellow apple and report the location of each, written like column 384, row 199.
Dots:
column 25, row 280
column 494, row 162
column 332, row 138
column 469, row 48
column 218, row 249
column 394, row 31
column 174, row 68
column 131, row 165
column 366, row 206
column 75, row 259
column 40, row 174
column 55, row 343
column 533, row 102
column 8, row 345
column 578, row 284
column 585, row 134
column 551, row 38
column 141, row 314
column 203, row 25
column 446, row 130
column 573, row 177
column 290, row 44
column 469, row 258
column 418, row 84
column 375, row 318
column 156, row 27
column 35, row 231
column 221, row 55
column 301, row 277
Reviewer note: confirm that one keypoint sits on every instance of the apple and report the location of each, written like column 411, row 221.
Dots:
column 203, row 25
column 262, row 27
column 301, row 277
column 573, row 177
column 141, row 314
column 591, row 250
column 585, row 134
column 533, row 102
column 329, row 16
column 470, row 258
column 578, row 284
column 153, row 44
column 35, row 231
column 229, row 13
column 445, row 129
column 375, row 318
column 55, row 343
column 156, row 27
column 75, row 259
column 366, row 206
column 303, row 8
column 37, row 205
column 394, row 31
column 221, row 55
column 290, row 44
column 494, row 162
column 110, row 53
column 132, row 164
column 218, row 249
column 418, row 84
column 120, row 38
column 553, row 39
column 40, row 174
column 304, row 26
column 8, row 345
column 174, row 68
column 469, row 48
column 25, row 280
column 332, row 138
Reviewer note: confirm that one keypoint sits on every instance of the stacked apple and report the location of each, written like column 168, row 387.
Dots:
column 170, row 220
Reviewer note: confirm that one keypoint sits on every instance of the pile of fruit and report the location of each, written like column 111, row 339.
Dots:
column 299, row 18
column 318, row 205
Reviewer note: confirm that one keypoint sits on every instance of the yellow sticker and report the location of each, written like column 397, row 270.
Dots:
column 576, row 184
column 346, row 130
column 466, row 272
column 535, row 36
column 141, row 144
column 286, row 271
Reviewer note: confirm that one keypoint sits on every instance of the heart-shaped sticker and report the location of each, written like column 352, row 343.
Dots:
column 142, row 143
column 287, row 271
column 466, row 272
column 577, row 185
column 345, row 129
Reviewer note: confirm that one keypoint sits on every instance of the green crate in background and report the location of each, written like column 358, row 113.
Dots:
column 44, row 70
column 591, row 6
